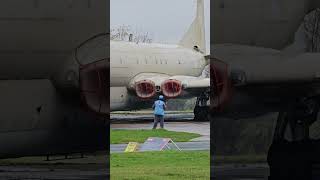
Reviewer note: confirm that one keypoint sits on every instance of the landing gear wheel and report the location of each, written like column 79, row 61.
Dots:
column 201, row 110
column 292, row 159
column 201, row 113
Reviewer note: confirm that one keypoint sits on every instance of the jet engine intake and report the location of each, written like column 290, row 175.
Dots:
column 94, row 83
column 220, row 84
column 171, row 88
column 94, row 78
column 145, row 89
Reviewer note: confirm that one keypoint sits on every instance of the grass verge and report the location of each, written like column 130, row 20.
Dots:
column 171, row 165
column 245, row 159
column 118, row 136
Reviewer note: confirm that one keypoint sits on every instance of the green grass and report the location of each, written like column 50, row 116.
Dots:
column 118, row 136
column 244, row 159
column 171, row 165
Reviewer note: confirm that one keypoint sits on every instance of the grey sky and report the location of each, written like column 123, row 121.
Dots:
column 166, row 20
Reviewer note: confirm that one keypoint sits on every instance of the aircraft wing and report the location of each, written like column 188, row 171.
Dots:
column 148, row 85
column 243, row 74
column 251, row 65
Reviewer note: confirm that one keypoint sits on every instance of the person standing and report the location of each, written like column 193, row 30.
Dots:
column 159, row 106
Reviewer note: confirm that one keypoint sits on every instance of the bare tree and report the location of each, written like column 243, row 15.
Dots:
column 124, row 33
column 120, row 33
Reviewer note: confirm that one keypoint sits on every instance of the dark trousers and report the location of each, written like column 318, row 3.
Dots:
column 158, row 118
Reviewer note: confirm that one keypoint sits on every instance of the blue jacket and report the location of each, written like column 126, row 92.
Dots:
column 159, row 107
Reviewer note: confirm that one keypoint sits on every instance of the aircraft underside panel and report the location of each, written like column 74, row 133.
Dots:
column 122, row 99
column 36, row 120
column 27, row 105
column 118, row 98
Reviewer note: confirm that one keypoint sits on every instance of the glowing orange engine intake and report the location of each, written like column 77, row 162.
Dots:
column 145, row 89
column 220, row 85
column 94, row 86
column 171, row 88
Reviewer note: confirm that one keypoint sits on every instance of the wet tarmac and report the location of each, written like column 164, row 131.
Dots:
column 184, row 146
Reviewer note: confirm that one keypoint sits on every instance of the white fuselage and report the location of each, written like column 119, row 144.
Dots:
column 128, row 59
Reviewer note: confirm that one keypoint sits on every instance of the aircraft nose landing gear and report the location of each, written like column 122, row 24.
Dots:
column 291, row 152
column 201, row 110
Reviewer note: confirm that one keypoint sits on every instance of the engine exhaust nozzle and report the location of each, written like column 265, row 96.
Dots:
column 171, row 88
column 145, row 89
